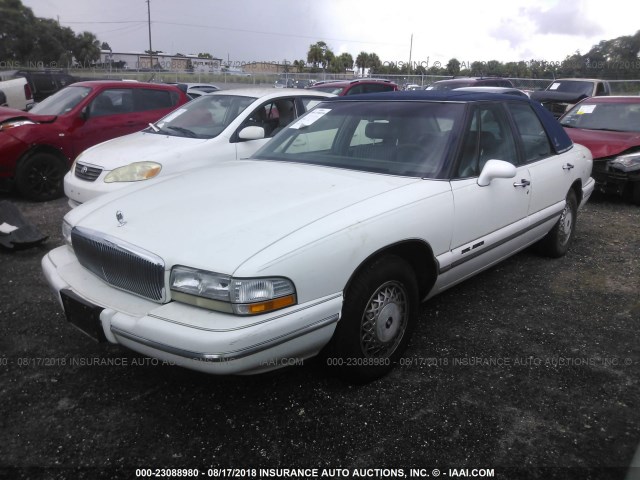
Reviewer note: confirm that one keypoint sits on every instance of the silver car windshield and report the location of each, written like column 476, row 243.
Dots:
column 411, row 139
column 204, row 117
column 61, row 102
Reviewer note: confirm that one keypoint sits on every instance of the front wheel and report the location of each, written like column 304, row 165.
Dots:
column 556, row 243
column 378, row 317
column 40, row 177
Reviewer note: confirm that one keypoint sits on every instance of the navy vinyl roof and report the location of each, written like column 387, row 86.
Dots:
column 559, row 138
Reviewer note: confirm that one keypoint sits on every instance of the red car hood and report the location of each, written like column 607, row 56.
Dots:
column 604, row 144
column 9, row 113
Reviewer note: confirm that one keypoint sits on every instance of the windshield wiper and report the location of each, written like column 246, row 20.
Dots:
column 154, row 128
column 184, row 131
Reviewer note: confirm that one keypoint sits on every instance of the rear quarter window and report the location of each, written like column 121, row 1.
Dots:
column 152, row 99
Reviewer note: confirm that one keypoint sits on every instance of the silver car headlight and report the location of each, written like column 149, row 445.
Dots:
column 241, row 296
column 626, row 163
column 134, row 172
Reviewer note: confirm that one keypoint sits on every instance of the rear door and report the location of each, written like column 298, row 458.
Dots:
column 551, row 174
column 115, row 112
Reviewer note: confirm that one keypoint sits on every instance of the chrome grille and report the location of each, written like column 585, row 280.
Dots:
column 85, row 172
column 119, row 264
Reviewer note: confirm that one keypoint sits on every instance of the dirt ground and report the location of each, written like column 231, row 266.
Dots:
column 529, row 370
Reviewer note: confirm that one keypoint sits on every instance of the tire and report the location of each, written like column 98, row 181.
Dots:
column 378, row 318
column 40, row 177
column 557, row 242
column 635, row 193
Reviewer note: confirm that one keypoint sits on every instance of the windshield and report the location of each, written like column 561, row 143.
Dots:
column 61, row 102
column 204, row 117
column 572, row 86
column 395, row 138
column 621, row 117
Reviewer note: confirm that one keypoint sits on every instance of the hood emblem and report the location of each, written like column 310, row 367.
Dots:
column 84, row 169
column 120, row 218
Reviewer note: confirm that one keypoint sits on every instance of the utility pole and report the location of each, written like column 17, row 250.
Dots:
column 410, row 51
column 149, row 22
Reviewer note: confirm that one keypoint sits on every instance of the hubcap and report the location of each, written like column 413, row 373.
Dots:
column 566, row 225
column 384, row 321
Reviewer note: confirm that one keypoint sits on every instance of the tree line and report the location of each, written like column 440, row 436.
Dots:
column 609, row 59
column 27, row 39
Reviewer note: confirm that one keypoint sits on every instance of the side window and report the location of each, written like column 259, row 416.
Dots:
column 488, row 137
column 111, row 102
column 356, row 90
column 375, row 88
column 600, row 89
column 309, row 103
column 150, row 99
column 272, row 116
column 535, row 143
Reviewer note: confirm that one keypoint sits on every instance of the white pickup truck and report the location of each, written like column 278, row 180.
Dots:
column 17, row 93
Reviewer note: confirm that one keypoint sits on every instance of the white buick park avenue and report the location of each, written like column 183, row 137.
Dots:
column 326, row 241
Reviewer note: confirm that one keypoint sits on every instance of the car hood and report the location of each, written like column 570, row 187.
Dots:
column 138, row 147
column 11, row 113
column 559, row 97
column 219, row 217
column 604, row 144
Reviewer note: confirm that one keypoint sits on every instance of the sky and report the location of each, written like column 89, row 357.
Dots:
column 422, row 31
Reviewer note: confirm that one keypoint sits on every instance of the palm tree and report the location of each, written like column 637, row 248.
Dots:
column 86, row 48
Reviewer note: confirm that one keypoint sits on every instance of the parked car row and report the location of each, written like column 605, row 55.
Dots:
column 274, row 239
column 225, row 125
column 37, row 147
column 324, row 241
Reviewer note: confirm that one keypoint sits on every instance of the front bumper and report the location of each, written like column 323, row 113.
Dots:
column 80, row 191
column 612, row 180
column 193, row 337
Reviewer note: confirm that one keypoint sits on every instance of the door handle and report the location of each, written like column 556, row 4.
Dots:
column 523, row 183
column 567, row 166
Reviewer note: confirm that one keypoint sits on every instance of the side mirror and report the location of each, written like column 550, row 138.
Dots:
column 496, row 169
column 251, row 133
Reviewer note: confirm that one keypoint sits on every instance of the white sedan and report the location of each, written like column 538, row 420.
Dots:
column 328, row 238
column 220, row 126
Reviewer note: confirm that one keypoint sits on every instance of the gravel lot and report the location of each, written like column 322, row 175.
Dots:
column 530, row 369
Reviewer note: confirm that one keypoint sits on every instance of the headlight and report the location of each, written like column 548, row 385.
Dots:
column 134, row 172
column 626, row 163
column 16, row 123
column 66, row 232
column 242, row 296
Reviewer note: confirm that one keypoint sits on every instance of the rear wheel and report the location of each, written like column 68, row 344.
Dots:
column 40, row 176
column 556, row 243
column 378, row 317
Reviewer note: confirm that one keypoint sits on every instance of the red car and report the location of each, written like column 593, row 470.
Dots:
column 610, row 128
column 354, row 87
column 37, row 147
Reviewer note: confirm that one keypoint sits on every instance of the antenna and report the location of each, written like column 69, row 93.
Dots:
column 149, row 22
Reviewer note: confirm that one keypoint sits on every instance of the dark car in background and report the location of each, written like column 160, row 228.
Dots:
column 563, row 93
column 37, row 147
column 610, row 128
column 45, row 83
column 354, row 87
column 460, row 82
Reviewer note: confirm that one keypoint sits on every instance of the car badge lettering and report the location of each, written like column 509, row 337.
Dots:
column 120, row 218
